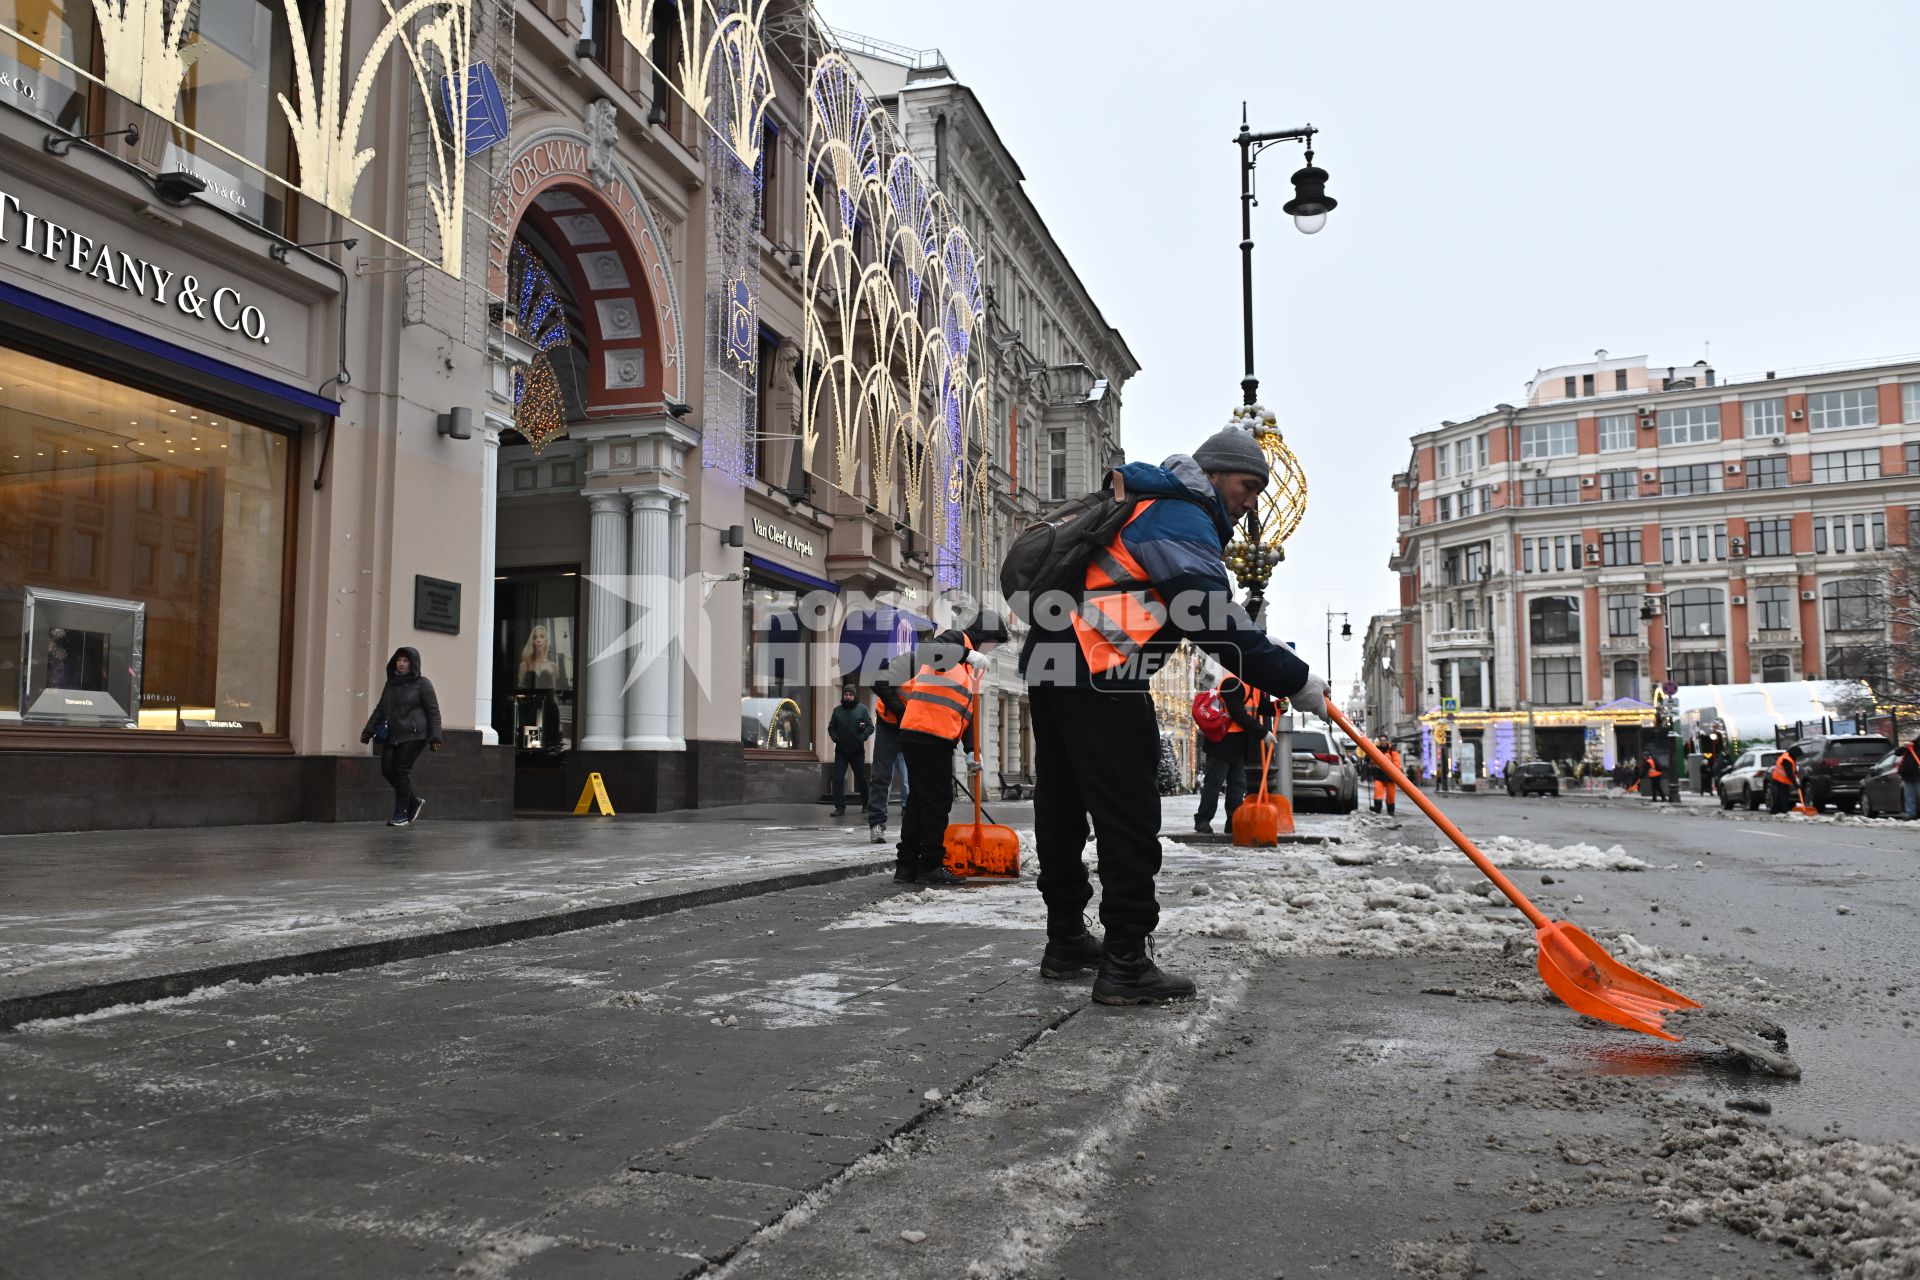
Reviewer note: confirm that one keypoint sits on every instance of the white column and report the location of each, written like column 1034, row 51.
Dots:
column 647, row 688
column 483, row 598
column 603, row 724
column 677, row 621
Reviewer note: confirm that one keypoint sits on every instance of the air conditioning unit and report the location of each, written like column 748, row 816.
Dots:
column 1733, row 468
column 1649, row 477
column 1806, row 595
column 1739, row 599
column 1586, row 482
column 1798, row 414
column 1776, row 441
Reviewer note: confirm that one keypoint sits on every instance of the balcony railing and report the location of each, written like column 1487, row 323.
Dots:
column 1460, row 638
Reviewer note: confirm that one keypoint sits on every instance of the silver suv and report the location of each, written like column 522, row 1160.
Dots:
column 1320, row 774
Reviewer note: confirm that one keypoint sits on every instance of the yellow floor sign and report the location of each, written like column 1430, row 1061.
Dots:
column 594, row 795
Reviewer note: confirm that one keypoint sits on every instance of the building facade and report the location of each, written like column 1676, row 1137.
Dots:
column 626, row 360
column 1626, row 526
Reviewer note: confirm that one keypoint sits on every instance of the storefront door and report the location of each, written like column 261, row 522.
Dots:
column 536, row 612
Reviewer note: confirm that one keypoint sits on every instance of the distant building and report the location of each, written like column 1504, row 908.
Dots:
column 1546, row 549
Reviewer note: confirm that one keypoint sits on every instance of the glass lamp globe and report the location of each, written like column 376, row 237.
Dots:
column 1309, row 223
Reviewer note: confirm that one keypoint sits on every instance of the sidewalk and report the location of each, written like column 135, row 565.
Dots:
column 93, row 919
column 1688, row 799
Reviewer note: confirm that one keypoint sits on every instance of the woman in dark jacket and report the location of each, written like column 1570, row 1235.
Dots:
column 410, row 714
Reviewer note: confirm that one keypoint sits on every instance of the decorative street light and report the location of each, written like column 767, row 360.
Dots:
column 1654, row 606
column 1260, row 546
column 1346, row 633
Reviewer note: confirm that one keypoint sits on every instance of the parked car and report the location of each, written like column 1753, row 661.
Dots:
column 1534, row 778
column 1880, row 793
column 1833, row 770
column 1746, row 782
column 1320, row 774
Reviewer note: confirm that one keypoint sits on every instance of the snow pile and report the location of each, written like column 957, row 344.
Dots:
column 1305, row 909
column 1516, row 853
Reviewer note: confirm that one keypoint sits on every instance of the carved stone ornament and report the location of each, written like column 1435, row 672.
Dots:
column 601, row 135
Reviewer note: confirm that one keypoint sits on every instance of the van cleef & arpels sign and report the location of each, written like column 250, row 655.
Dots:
column 115, row 268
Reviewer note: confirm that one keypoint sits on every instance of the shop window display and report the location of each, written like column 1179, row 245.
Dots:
column 776, row 700
column 142, row 558
column 41, row 79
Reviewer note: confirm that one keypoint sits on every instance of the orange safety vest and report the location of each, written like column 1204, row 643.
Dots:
column 1785, row 771
column 1912, row 751
column 1253, row 696
column 1653, row 767
column 1119, row 611
column 1384, row 788
column 939, row 702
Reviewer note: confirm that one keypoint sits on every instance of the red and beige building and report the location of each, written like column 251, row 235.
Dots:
column 1532, row 537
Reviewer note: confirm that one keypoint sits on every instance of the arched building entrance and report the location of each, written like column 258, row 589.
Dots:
column 592, row 483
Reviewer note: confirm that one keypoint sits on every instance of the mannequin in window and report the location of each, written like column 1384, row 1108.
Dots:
column 544, row 672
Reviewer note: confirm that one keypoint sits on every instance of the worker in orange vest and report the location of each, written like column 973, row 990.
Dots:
column 933, row 708
column 1656, row 780
column 1384, row 789
column 1910, row 778
column 1161, row 579
column 1249, row 722
column 1783, row 784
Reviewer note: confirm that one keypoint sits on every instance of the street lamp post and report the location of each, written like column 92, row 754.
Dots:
column 1654, row 605
column 1346, row 633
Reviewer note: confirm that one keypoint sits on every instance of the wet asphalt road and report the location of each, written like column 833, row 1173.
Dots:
column 747, row 1090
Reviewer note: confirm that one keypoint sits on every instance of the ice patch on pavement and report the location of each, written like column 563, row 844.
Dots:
column 1516, row 853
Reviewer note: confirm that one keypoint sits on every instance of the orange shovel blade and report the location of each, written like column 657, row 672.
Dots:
column 983, row 849
column 1589, row 980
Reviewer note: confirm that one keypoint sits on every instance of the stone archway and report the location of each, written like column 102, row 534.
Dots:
column 591, row 212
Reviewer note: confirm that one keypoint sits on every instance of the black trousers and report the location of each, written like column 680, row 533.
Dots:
column 1223, row 768
column 923, row 820
column 1097, row 755
column 843, row 760
column 396, row 766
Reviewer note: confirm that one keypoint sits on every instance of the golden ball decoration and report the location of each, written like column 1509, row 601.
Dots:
column 1282, row 504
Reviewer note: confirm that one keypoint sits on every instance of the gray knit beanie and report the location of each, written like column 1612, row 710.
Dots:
column 1235, row 452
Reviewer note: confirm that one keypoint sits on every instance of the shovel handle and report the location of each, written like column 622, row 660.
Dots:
column 1440, row 820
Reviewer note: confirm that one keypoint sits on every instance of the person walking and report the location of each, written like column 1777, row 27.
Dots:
column 1161, row 579
column 849, row 727
column 1783, row 783
column 405, row 721
column 1656, row 780
column 1384, row 790
column 888, row 771
column 933, row 708
column 1910, row 778
column 1229, row 758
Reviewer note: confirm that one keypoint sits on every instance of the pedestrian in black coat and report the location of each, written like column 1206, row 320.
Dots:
column 406, row 721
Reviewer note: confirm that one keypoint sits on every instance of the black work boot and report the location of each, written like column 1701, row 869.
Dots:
column 1069, row 957
column 905, row 872
column 937, row 876
column 1128, row 975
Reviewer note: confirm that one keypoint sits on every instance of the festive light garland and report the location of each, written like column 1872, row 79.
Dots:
column 540, row 317
column 1282, row 505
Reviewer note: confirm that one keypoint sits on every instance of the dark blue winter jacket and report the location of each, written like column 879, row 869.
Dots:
column 1179, row 542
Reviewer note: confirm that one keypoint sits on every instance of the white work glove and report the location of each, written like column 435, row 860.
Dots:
column 976, row 659
column 1312, row 698
column 973, row 767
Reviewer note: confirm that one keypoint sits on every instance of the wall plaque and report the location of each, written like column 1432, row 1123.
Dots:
column 436, row 605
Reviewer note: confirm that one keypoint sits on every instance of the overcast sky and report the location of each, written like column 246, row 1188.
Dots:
column 1519, row 184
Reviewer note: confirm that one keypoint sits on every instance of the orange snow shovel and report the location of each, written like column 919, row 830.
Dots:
column 1574, row 967
column 982, row 850
column 1262, row 817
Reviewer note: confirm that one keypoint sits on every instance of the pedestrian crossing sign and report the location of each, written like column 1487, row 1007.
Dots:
column 1449, row 704
column 594, row 795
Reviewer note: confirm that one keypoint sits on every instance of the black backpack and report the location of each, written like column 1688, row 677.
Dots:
column 1052, row 554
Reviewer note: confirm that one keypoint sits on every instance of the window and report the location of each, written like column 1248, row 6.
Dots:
column 1560, row 542
column 1443, row 461
column 1057, row 465
column 1619, row 546
column 1470, row 609
column 1556, row 682
column 1697, row 612
column 1554, row 492
column 1910, row 402
column 1481, row 447
column 1549, row 440
column 766, row 192
column 1860, row 531
column 1554, row 619
column 1856, row 662
column 1477, row 562
column 1913, row 458
column 1770, row 537
column 1623, row 615
column 1776, row 668
column 1848, row 464
column 1851, row 604
column 1616, row 432
column 1626, row 678
column 1762, row 418
column 1774, row 607
column 152, row 579
column 1698, row 478
column 1692, row 542
column 1526, row 555
column 1769, row 472
column 1839, row 410
column 1446, row 506
column 1450, row 567
column 1618, row 486
column 1568, row 383
column 1619, row 379
column 1700, row 666
column 776, row 693
column 1586, row 384
column 1463, row 455
column 1690, row 424
column 1466, row 503
column 1468, row 672
column 230, row 97
column 39, row 83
